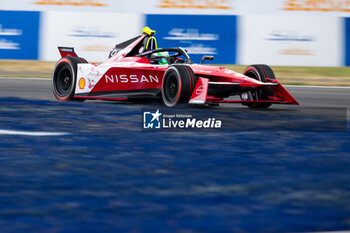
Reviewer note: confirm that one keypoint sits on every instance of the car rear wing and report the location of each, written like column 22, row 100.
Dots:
column 67, row 52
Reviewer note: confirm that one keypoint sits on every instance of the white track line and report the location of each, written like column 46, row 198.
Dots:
column 19, row 78
column 332, row 232
column 315, row 86
column 24, row 133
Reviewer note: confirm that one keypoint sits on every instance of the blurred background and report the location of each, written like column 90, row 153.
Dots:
column 275, row 32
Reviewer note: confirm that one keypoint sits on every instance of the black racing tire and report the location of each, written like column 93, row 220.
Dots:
column 177, row 85
column 64, row 78
column 261, row 73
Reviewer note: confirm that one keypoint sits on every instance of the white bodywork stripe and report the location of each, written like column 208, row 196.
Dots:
column 223, row 83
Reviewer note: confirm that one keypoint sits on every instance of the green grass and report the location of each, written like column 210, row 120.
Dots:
column 299, row 70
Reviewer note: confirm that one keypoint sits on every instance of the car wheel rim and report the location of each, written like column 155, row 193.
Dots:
column 171, row 86
column 64, row 81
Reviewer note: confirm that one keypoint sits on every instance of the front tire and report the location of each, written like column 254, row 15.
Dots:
column 177, row 85
column 64, row 78
column 261, row 73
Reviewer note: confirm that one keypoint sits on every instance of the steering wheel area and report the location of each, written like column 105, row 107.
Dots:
column 170, row 59
column 167, row 56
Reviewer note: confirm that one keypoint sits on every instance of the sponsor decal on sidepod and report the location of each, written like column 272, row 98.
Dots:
column 123, row 78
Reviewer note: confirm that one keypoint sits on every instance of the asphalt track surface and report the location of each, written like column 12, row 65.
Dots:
column 88, row 167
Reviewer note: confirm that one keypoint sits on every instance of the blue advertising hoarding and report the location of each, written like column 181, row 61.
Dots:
column 198, row 34
column 19, row 35
column 347, row 41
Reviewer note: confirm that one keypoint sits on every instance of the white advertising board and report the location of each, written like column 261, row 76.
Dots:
column 290, row 40
column 92, row 34
column 217, row 7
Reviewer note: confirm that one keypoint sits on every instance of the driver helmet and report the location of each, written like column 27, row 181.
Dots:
column 163, row 61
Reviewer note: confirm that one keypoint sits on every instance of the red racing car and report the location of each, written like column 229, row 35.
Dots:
column 137, row 69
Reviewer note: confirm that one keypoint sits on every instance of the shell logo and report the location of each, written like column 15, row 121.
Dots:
column 82, row 83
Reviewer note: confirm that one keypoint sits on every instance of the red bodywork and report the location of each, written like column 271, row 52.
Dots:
column 127, row 75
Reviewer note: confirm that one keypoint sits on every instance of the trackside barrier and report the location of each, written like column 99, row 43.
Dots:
column 202, row 7
column 311, row 39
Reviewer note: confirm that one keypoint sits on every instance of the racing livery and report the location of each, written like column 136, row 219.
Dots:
column 138, row 69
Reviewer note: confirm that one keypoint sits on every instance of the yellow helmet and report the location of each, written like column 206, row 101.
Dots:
column 148, row 31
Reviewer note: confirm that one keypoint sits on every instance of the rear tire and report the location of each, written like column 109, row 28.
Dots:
column 64, row 78
column 261, row 73
column 177, row 85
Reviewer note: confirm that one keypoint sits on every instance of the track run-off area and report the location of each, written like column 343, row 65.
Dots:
column 89, row 167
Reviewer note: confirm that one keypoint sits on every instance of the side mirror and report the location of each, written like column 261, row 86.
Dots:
column 207, row 58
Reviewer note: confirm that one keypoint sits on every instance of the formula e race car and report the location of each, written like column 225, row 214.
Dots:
column 137, row 69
